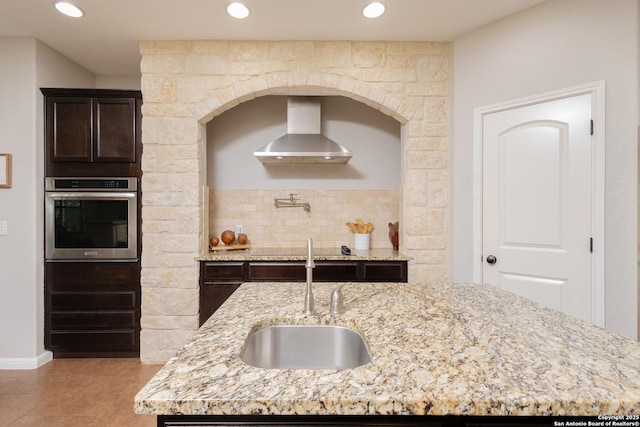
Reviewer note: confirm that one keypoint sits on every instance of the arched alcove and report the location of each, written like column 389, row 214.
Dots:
column 242, row 189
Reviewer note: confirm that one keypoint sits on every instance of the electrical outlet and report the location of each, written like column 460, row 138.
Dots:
column 3, row 228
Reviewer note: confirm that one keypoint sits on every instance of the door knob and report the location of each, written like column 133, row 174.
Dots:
column 491, row 259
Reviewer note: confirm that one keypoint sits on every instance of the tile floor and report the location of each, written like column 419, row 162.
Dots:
column 74, row 393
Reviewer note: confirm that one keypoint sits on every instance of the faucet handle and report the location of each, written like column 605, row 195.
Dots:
column 337, row 301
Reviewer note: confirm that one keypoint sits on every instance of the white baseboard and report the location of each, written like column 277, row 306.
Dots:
column 26, row 362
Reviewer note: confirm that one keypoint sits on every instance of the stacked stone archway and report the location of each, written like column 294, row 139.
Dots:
column 185, row 84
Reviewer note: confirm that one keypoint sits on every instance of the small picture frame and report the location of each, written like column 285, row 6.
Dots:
column 5, row 170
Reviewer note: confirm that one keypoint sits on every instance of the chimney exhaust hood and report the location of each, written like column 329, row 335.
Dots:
column 303, row 142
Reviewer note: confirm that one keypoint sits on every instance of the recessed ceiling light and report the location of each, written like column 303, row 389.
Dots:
column 238, row 10
column 68, row 9
column 373, row 10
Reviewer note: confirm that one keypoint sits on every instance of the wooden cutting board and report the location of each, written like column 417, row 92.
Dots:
column 230, row 247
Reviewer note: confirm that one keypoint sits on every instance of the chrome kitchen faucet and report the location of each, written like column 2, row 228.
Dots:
column 310, row 265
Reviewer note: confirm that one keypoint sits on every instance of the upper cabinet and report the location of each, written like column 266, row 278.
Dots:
column 92, row 132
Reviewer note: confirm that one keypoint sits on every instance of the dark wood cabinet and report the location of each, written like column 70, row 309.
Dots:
column 114, row 130
column 384, row 271
column 300, row 420
column 219, row 279
column 92, row 132
column 339, row 271
column 68, row 122
column 293, row 271
column 92, row 309
column 367, row 420
column 212, row 295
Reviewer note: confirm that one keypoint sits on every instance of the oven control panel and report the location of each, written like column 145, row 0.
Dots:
column 94, row 184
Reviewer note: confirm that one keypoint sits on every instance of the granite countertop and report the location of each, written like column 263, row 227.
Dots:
column 300, row 254
column 437, row 349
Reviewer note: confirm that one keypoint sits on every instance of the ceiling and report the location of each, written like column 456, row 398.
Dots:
column 105, row 41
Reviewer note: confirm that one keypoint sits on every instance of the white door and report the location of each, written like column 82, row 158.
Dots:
column 536, row 203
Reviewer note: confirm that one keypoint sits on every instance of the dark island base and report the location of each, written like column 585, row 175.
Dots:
column 381, row 420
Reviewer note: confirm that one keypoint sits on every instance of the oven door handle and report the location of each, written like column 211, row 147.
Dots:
column 66, row 195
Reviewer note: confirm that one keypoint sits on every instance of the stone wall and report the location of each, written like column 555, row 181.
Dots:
column 187, row 83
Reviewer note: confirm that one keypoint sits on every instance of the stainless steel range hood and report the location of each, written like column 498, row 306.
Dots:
column 303, row 142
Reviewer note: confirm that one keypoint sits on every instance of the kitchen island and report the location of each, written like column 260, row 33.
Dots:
column 442, row 351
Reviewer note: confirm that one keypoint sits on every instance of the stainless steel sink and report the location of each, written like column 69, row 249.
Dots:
column 305, row 347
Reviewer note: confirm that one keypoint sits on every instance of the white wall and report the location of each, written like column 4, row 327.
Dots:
column 372, row 137
column 19, row 276
column 119, row 82
column 27, row 65
column 555, row 45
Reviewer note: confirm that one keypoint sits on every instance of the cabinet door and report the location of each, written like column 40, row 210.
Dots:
column 114, row 130
column 212, row 296
column 69, row 129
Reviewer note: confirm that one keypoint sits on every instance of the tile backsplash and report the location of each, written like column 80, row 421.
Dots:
column 288, row 227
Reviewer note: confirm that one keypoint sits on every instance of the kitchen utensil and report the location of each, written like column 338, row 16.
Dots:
column 359, row 227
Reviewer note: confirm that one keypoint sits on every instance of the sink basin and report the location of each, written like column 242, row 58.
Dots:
column 305, row 347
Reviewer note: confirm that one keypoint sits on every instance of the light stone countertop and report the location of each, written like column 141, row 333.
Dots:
column 300, row 254
column 437, row 349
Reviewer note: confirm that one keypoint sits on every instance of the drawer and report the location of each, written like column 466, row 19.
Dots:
column 277, row 272
column 385, row 271
column 94, row 340
column 222, row 271
column 94, row 320
column 99, row 276
column 327, row 271
column 93, row 300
